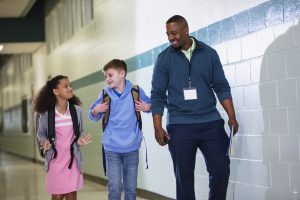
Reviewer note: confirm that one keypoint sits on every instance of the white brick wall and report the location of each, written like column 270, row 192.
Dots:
column 267, row 146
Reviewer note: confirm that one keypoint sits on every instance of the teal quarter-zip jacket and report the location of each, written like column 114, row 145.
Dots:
column 171, row 76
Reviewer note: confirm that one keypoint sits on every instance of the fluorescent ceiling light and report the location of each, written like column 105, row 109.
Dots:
column 1, row 47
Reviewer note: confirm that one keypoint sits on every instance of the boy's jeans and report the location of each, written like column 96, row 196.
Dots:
column 120, row 165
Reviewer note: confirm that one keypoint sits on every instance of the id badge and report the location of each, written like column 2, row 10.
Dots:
column 190, row 93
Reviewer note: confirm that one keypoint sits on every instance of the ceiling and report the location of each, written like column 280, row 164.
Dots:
column 15, row 8
column 16, row 11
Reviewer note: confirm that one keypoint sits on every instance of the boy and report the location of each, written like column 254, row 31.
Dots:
column 122, row 134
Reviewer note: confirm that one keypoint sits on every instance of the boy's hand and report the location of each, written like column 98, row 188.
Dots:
column 100, row 108
column 84, row 140
column 141, row 106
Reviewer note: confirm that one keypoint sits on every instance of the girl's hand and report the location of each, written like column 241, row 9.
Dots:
column 141, row 106
column 45, row 145
column 84, row 139
column 100, row 108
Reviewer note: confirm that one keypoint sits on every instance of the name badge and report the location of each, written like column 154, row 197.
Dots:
column 190, row 93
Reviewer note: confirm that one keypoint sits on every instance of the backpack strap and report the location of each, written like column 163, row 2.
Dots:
column 135, row 92
column 103, row 160
column 76, row 131
column 51, row 129
column 106, row 99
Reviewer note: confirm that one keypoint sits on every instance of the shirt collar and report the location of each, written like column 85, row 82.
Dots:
column 192, row 47
column 56, row 111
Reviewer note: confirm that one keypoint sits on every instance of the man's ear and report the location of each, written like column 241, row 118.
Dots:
column 186, row 30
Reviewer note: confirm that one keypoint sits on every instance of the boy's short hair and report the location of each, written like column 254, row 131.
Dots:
column 116, row 64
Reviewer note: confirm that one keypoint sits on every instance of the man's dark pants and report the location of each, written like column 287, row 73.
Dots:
column 212, row 140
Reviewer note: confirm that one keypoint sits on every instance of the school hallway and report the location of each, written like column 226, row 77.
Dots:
column 22, row 179
column 258, row 48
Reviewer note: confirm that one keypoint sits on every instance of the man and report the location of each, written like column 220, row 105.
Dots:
column 190, row 72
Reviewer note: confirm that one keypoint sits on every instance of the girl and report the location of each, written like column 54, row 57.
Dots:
column 60, row 135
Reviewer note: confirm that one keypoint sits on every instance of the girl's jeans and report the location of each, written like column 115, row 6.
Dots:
column 122, row 171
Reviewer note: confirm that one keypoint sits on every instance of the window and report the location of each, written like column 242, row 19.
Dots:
column 66, row 19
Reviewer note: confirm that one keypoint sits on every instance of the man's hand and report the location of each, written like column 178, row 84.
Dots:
column 228, row 107
column 161, row 136
column 233, row 123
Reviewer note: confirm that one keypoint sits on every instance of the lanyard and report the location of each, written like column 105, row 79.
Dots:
column 190, row 70
column 190, row 53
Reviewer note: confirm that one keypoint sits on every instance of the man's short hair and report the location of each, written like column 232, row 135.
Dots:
column 177, row 19
column 116, row 64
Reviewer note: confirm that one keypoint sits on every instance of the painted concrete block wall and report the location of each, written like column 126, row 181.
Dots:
column 264, row 76
column 258, row 43
column 16, row 83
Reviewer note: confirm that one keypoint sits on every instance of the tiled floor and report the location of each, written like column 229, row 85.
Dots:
column 21, row 179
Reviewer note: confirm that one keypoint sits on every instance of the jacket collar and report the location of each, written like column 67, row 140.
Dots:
column 199, row 45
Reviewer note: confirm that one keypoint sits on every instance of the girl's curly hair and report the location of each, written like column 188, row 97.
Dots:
column 46, row 99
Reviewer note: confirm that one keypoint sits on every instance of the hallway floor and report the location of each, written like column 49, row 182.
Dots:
column 21, row 179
